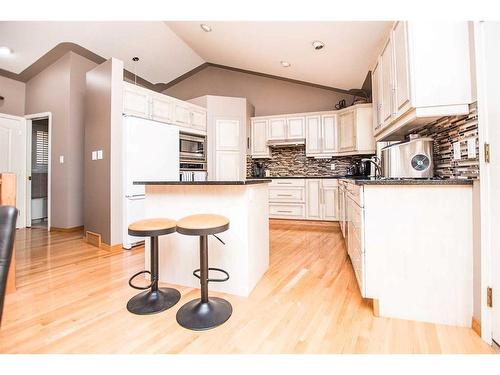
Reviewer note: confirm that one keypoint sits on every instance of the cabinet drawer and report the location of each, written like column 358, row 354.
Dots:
column 327, row 182
column 292, row 211
column 287, row 194
column 288, row 182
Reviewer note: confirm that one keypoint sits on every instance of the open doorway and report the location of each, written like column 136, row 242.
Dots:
column 38, row 168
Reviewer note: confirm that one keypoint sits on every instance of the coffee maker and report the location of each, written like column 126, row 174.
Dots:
column 258, row 169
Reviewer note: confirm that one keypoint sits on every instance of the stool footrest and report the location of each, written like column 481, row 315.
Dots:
column 140, row 287
column 196, row 273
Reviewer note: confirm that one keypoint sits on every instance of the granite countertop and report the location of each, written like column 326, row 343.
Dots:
column 234, row 182
column 409, row 181
column 294, row 177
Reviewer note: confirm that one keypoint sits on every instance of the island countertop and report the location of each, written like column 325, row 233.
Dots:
column 209, row 182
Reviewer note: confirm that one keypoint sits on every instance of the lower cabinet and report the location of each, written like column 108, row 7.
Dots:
column 311, row 199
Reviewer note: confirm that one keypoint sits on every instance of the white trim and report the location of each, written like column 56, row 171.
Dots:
column 49, row 174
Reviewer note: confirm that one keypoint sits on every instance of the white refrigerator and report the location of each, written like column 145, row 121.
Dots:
column 151, row 153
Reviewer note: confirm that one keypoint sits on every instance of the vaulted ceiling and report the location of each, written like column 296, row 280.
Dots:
column 168, row 50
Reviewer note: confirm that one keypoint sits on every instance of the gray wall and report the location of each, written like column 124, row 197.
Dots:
column 268, row 95
column 14, row 93
column 103, row 123
column 59, row 89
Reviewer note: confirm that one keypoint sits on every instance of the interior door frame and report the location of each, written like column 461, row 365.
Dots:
column 29, row 120
column 486, row 131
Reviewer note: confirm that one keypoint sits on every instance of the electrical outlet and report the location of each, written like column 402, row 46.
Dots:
column 332, row 166
column 456, row 150
column 61, row 159
column 94, row 155
column 99, row 154
column 471, row 148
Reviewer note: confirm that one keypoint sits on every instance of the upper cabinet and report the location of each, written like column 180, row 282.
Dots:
column 331, row 133
column 423, row 73
column 141, row 102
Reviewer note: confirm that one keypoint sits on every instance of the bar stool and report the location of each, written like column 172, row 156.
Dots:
column 155, row 299
column 205, row 312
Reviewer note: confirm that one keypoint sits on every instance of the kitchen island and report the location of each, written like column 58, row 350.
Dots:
column 245, row 255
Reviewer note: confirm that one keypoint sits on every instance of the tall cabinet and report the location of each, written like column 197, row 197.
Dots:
column 228, row 123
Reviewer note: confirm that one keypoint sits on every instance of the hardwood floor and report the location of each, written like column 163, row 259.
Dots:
column 72, row 297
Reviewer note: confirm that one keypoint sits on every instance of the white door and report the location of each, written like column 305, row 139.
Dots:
column 347, row 131
column 330, row 203
column 259, row 138
column 313, row 199
column 296, row 127
column 313, row 135
column 13, row 158
column 386, row 60
column 487, row 35
column 277, row 128
column 329, row 138
column 227, row 135
column 227, row 149
column 401, row 71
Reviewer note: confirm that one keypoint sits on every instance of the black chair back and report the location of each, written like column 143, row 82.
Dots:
column 8, row 217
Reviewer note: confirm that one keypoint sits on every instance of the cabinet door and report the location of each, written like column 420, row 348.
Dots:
column 347, row 131
column 199, row 119
column 313, row 135
column 182, row 115
column 377, row 96
column 313, row 199
column 401, row 71
column 227, row 165
column 387, row 86
column 330, row 203
column 161, row 109
column 329, row 138
column 227, row 135
column 135, row 102
column 277, row 128
column 296, row 128
column 259, row 138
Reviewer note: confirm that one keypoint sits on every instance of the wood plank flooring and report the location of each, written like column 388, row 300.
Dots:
column 72, row 297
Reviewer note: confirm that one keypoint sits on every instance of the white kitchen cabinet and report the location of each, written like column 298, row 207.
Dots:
column 347, row 131
column 277, row 128
column 136, row 101
column 258, row 141
column 377, row 96
column 182, row 116
column 227, row 134
column 321, row 135
column 198, row 119
column 295, row 127
column 228, row 166
column 322, row 199
column 161, row 109
column 423, row 73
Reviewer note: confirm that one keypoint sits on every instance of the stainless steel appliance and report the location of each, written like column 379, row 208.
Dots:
column 258, row 169
column 364, row 167
column 409, row 159
column 192, row 147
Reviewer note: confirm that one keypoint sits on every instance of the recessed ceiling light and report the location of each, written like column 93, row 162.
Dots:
column 205, row 27
column 318, row 44
column 5, row 51
column 285, row 64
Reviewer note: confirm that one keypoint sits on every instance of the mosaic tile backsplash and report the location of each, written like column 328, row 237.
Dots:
column 292, row 161
column 445, row 132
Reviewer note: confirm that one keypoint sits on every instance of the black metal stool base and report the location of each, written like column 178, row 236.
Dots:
column 199, row 316
column 152, row 302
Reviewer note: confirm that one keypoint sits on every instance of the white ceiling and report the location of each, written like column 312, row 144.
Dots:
column 170, row 49
column 163, row 55
column 350, row 48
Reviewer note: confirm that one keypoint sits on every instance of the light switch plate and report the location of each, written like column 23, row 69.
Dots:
column 456, row 150
column 332, row 166
column 99, row 154
column 471, row 148
column 61, row 159
column 94, row 155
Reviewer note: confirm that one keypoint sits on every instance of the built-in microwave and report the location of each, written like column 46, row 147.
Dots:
column 192, row 147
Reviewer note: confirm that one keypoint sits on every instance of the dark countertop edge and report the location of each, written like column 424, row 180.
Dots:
column 412, row 182
column 184, row 183
column 296, row 177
